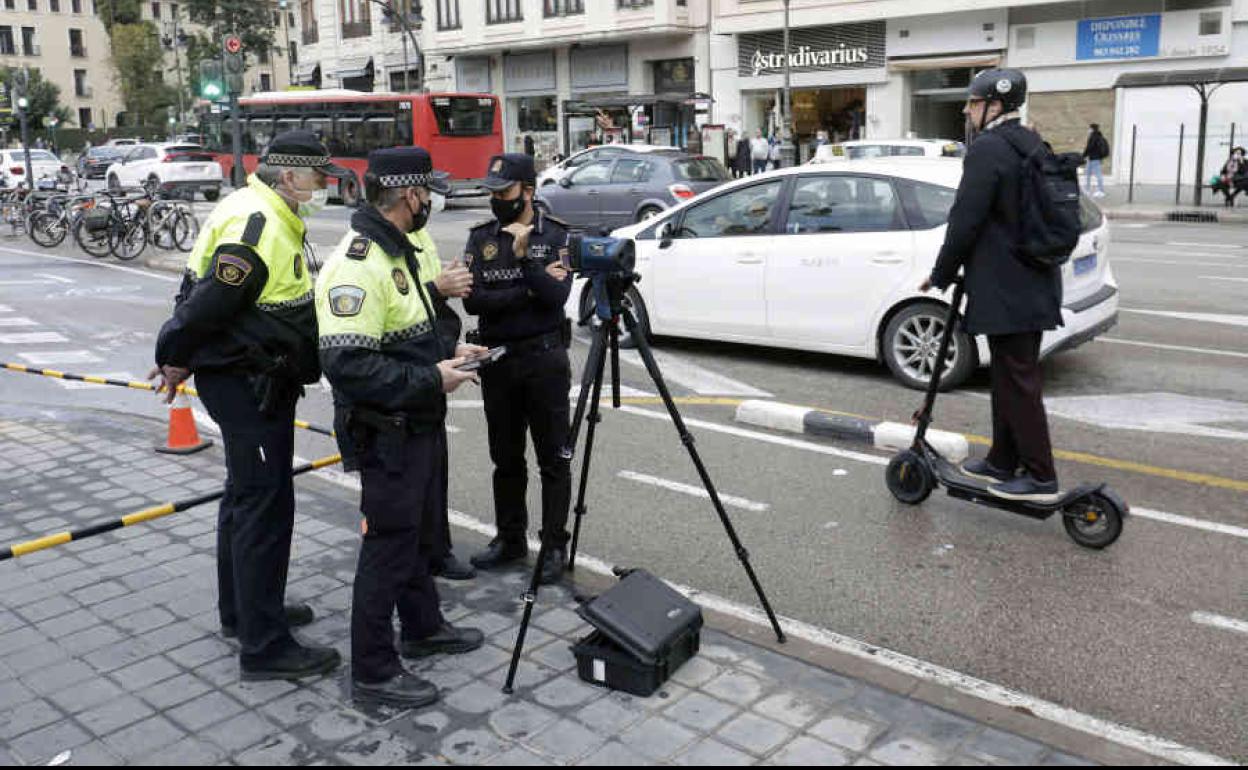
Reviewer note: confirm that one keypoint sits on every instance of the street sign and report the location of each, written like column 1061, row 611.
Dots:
column 232, row 44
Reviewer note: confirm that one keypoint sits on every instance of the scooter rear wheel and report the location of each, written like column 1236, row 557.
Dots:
column 909, row 477
column 1094, row 521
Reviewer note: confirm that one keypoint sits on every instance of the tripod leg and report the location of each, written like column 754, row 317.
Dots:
column 594, row 418
column 597, row 354
column 686, row 438
column 529, row 598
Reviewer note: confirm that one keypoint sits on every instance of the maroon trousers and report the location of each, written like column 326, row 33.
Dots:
column 1020, row 427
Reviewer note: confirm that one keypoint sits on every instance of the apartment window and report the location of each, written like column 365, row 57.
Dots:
column 294, row 53
column 564, row 7
column 502, row 11
column 80, row 83
column 266, row 81
column 156, row 11
column 84, row 117
column 54, row 6
column 277, row 18
column 262, row 55
column 76, row 48
column 307, row 20
column 409, row 13
column 634, row 3
column 6, row 41
column 1211, row 23
column 32, row 5
column 355, row 18
column 28, row 42
column 75, row 6
column 10, row 5
column 448, row 14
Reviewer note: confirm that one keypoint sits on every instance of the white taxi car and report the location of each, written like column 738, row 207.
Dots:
column 171, row 168
column 829, row 258
column 864, row 149
column 43, row 164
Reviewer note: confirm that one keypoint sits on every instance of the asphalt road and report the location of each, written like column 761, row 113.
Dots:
column 1122, row 634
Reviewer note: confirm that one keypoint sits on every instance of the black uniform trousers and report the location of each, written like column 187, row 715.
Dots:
column 404, row 479
column 1020, row 427
column 257, row 513
column 529, row 393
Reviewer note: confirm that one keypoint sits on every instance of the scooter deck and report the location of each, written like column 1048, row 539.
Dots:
column 973, row 490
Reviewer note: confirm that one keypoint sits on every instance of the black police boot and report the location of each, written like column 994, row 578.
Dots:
column 296, row 615
column 296, row 662
column 451, row 568
column 403, row 691
column 553, row 565
column 500, row 552
column 448, row 640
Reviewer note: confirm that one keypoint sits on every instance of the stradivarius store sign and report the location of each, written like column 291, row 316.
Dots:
column 812, row 49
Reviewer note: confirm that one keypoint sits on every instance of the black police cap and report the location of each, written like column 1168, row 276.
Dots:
column 407, row 167
column 302, row 149
column 507, row 169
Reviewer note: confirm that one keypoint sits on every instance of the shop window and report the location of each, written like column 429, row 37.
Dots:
column 1025, row 38
column 1211, row 23
column 537, row 113
column 745, row 211
column 843, row 204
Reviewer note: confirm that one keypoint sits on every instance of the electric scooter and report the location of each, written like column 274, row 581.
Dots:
column 1093, row 514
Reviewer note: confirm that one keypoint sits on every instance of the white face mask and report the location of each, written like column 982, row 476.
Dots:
column 305, row 207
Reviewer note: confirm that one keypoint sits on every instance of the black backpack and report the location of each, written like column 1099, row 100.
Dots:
column 1048, row 219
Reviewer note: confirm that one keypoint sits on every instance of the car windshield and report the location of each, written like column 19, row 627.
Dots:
column 18, row 156
column 699, row 170
column 184, row 148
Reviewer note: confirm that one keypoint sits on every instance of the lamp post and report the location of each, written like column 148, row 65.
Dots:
column 787, row 151
column 174, row 40
column 23, row 105
column 284, row 5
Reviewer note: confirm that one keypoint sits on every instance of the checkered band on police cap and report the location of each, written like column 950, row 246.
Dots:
column 408, row 180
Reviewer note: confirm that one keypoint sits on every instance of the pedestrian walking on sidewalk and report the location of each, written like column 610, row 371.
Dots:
column 1010, row 301
column 760, row 151
column 1096, row 150
column 244, row 325
column 741, row 163
column 390, row 370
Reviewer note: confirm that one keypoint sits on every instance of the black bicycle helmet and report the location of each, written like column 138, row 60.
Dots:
column 1007, row 86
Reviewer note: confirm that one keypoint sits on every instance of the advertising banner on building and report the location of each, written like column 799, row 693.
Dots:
column 1124, row 37
column 812, row 49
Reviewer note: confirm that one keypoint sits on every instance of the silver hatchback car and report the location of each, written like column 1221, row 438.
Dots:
column 617, row 191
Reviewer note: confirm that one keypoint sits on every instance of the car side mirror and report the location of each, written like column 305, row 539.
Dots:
column 565, row 183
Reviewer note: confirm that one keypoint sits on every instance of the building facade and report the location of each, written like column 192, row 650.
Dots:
column 67, row 44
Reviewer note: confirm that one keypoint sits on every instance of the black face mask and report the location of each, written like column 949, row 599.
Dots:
column 419, row 218
column 507, row 212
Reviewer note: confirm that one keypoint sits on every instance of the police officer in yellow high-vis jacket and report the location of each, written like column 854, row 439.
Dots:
column 391, row 371
column 245, row 325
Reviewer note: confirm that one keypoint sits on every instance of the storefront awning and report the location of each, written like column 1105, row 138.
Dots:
column 357, row 68
column 1182, row 78
column 978, row 61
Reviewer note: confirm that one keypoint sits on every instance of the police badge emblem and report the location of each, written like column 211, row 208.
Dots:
column 232, row 270
column 345, row 301
column 400, row 281
column 489, row 251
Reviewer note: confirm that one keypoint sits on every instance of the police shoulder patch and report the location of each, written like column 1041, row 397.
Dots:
column 345, row 301
column 232, row 270
column 400, row 281
column 359, row 247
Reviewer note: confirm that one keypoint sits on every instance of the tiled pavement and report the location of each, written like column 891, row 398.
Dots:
column 109, row 649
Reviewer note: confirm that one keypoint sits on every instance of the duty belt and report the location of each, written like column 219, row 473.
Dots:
column 532, row 345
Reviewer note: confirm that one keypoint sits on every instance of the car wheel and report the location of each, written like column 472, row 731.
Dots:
column 349, row 191
column 212, row 194
column 910, row 344
column 639, row 311
column 648, row 212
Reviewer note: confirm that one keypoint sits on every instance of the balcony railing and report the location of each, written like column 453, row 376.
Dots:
column 556, row 8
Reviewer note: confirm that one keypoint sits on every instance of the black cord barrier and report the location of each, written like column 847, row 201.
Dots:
column 135, row 385
column 147, row 514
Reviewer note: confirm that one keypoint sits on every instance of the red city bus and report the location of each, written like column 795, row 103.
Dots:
column 462, row 131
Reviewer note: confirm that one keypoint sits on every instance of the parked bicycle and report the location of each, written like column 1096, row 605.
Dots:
column 49, row 224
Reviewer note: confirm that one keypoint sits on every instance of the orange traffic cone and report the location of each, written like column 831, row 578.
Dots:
column 183, row 436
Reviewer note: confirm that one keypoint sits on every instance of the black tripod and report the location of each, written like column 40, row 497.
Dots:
column 612, row 306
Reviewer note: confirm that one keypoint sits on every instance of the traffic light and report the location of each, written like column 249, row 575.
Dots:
column 233, row 62
column 211, row 83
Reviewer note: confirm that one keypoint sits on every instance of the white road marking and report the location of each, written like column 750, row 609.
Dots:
column 978, row 688
column 687, row 374
column 1220, row 621
column 1224, row 278
column 32, row 338
column 93, row 263
column 1179, row 263
column 1154, row 412
column 625, row 391
column 695, row 491
column 1180, row 348
column 55, row 278
column 1200, row 245
column 45, row 357
column 1225, row 319
column 28, row 282
column 732, row 430
column 18, row 321
column 5, row 309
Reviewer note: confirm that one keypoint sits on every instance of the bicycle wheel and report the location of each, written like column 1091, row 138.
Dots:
column 159, row 221
column 185, row 228
column 128, row 241
column 47, row 229
column 94, row 239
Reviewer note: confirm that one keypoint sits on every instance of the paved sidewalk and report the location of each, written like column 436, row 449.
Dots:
column 109, row 648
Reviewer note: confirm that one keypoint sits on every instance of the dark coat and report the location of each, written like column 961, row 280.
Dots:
column 1097, row 147
column 742, row 161
column 1004, row 295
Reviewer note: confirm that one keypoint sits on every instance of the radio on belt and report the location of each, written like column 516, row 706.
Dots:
column 645, row 630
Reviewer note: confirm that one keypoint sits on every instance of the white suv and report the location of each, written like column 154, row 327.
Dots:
column 170, row 168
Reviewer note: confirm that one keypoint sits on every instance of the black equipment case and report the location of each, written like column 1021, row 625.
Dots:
column 645, row 631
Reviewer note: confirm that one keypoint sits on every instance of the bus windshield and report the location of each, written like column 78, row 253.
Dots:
column 463, row 115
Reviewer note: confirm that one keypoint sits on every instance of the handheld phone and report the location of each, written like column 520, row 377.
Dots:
column 490, row 357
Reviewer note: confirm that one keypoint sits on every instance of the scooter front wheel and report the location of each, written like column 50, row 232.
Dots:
column 909, row 477
column 1094, row 521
